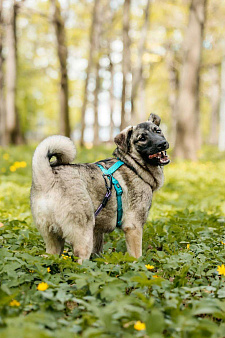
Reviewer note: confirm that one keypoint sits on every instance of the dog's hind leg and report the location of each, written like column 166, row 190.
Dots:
column 54, row 244
column 98, row 242
column 53, row 241
column 82, row 241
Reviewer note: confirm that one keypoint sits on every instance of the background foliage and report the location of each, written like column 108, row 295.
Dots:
column 38, row 72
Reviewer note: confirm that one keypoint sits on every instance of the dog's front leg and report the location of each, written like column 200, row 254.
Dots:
column 133, row 236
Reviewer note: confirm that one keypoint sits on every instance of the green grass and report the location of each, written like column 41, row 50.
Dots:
column 183, row 296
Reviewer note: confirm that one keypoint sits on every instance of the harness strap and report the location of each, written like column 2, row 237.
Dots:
column 117, row 187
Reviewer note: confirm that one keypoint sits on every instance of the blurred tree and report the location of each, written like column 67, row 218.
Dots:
column 112, row 100
column 2, row 101
column 111, row 68
column 13, row 131
column 188, row 122
column 126, row 65
column 173, row 70
column 222, row 109
column 215, row 104
column 62, row 55
column 92, row 44
column 96, row 92
column 137, row 77
column 96, row 55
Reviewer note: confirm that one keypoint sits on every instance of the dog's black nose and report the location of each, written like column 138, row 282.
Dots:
column 163, row 145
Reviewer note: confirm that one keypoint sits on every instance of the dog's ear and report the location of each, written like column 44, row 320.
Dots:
column 122, row 140
column 154, row 119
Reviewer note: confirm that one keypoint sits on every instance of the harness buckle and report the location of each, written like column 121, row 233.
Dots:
column 119, row 190
column 108, row 187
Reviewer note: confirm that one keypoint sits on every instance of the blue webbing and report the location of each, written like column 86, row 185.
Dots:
column 117, row 186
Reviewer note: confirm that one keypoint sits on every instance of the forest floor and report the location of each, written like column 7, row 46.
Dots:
column 181, row 292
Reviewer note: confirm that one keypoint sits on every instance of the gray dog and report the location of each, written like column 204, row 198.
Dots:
column 64, row 196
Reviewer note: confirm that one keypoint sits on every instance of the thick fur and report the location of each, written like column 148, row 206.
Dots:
column 65, row 196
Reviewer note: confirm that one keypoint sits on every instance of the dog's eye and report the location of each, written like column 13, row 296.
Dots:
column 142, row 138
column 158, row 131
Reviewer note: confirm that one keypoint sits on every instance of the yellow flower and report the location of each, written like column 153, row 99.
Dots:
column 42, row 286
column 48, row 269
column 65, row 257
column 139, row 326
column 12, row 168
column 222, row 243
column 16, row 164
column 188, row 246
column 14, row 302
column 5, row 156
column 149, row 267
column 23, row 164
column 32, row 271
column 3, row 170
column 155, row 276
column 221, row 269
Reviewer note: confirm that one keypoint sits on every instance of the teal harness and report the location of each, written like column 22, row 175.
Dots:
column 119, row 191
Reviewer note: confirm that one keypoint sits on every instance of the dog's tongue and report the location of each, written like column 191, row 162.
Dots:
column 162, row 157
column 155, row 155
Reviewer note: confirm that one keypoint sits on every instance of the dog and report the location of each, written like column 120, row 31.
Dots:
column 64, row 196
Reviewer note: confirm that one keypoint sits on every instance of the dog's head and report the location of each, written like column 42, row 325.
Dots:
column 147, row 140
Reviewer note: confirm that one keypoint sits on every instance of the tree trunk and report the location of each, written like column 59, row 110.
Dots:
column 92, row 44
column 222, row 109
column 96, row 92
column 126, row 60
column 174, row 85
column 141, row 99
column 2, row 102
column 215, row 104
column 62, row 55
column 137, row 72
column 112, row 100
column 187, row 128
column 13, row 133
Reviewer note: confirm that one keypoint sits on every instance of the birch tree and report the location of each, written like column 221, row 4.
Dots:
column 222, row 110
column 173, row 91
column 112, row 100
column 215, row 105
column 92, row 47
column 137, row 78
column 96, row 92
column 187, row 128
column 62, row 55
column 13, row 132
column 126, row 60
column 2, row 104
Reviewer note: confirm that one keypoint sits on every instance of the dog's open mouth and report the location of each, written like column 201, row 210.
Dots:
column 162, row 157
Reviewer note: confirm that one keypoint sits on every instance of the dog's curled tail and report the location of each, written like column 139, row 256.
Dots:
column 59, row 148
